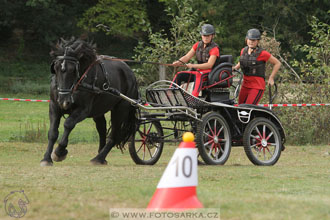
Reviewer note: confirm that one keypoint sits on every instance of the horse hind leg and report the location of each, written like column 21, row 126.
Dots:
column 101, row 127
column 100, row 159
column 122, row 117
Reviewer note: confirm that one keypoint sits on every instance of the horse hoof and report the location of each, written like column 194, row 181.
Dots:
column 58, row 158
column 98, row 162
column 45, row 163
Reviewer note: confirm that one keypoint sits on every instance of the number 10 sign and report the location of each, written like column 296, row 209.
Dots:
column 181, row 171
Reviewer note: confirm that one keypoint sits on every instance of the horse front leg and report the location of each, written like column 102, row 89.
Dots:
column 101, row 126
column 54, row 118
column 60, row 153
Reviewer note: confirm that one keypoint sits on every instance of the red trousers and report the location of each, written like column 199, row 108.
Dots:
column 191, row 76
column 250, row 96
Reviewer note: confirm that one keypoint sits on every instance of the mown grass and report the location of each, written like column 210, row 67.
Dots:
column 297, row 187
column 19, row 121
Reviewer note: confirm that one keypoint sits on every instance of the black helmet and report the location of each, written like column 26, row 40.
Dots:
column 207, row 29
column 253, row 34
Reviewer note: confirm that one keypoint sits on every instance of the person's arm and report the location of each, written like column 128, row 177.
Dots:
column 277, row 64
column 185, row 58
column 238, row 65
column 204, row 66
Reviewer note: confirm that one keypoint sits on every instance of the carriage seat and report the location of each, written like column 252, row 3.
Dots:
column 221, row 72
column 219, row 81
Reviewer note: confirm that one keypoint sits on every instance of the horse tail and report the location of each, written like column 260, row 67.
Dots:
column 128, row 127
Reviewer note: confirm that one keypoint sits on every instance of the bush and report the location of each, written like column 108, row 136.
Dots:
column 305, row 125
column 316, row 65
column 32, row 133
column 24, row 77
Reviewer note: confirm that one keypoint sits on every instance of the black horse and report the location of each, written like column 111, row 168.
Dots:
column 79, row 88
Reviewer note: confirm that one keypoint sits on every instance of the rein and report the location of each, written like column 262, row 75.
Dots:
column 101, row 57
column 84, row 74
column 139, row 61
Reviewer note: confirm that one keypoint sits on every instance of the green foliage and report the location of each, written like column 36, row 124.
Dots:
column 124, row 18
column 34, row 3
column 32, row 133
column 165, row 48
column 28, row 27
column 288, row 19
column 24, row 77
column 304, row 125
column 316, row 65
column 29, row 87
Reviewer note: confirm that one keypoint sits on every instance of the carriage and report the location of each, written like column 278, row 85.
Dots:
column 85, row 85
column 217, row 122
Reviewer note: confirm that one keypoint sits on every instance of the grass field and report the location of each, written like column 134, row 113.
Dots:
column 297, row 187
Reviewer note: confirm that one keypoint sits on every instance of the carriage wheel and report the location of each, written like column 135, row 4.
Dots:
column 146, row 146
column 213, row 139
column 262, row 142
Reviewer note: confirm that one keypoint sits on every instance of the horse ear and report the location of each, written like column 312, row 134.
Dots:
column 76, row 51
column 62, row 41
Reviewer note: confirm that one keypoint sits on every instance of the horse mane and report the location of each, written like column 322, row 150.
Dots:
column 77, row 48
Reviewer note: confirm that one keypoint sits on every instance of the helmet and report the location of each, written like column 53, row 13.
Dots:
column 207, row 29
column 253, row 34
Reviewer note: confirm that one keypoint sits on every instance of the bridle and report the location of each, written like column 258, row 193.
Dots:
column 64, row 59
column 79, row 78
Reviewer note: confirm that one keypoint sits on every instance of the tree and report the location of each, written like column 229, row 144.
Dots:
column 167, row 46
column 316, row 65
column 32, row 25
column 233, row 18
column 124, row 18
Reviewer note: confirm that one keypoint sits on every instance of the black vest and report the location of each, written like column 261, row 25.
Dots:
column 203, row 54
column 249, row 64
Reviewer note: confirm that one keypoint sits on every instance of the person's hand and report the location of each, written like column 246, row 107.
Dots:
column 271, row 81
column 177, row 63
column 233, row 68
column 190, row 65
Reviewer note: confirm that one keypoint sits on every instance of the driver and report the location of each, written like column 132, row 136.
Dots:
column 253, row 64
column 207, row 55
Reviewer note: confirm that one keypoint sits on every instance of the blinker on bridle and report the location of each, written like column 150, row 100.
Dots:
column 79, row 79
column 65, row 58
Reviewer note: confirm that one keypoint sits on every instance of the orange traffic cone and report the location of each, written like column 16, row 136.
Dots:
column 176, row 189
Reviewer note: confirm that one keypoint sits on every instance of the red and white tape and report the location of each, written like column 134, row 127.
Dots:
column 263, row 105
column 292, row 105
column 24, row 100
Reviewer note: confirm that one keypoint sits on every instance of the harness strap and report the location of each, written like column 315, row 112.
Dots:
column 85, row 74
column 106, row 85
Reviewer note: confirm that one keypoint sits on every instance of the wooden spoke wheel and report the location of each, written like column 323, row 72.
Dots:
column 262, row 142
column 146, row 146
column 213, row 139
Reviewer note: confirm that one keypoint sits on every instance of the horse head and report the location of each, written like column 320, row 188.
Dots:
column 70, row 59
